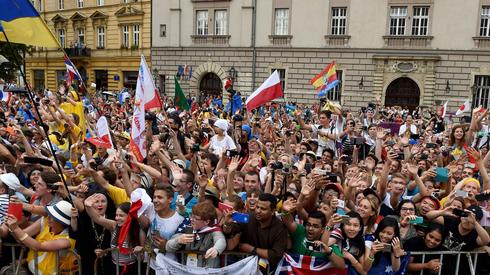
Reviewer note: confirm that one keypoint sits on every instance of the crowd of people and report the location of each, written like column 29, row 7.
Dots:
column 361, row 189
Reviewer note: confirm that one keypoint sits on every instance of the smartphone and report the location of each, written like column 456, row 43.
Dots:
column 308, row 167
column 240, row 217
column 386, row 247
column 16, row 210
column 388, row 130
column 415, row 136
column 482, row 197
column 188, row 230
column 400, row 156
column 321, row 172
column 431, row 145
column 35, row 160
column 390, row 143
column 231, row 153
column 332, row 177
column 442, row 174
column 460, row 213
column 461, row 193
column 225, row 207
column 68, row 165
column 340, row 207
column 358, row 141
column 345, row 219
column 418, row 220
column 312, row 246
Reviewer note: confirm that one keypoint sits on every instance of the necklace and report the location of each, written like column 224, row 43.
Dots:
column 98, row 238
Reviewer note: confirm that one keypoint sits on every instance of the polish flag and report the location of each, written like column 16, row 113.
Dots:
column 463, row 108
column 137, row 144
column 268, row 91
column 103, row 138
column 444, row 110
column 151, row 99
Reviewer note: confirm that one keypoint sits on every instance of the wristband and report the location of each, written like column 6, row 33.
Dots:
column 329, row 253
column 23, row 237
column 328, row 228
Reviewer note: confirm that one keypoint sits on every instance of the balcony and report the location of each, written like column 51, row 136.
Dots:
column 76, row 52
column 280, row 40
column 407, row 41
column 337, row 41
column 482, row 42
column 215, row 40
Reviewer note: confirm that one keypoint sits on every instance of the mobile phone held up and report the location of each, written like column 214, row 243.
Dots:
column 240, row 217
column 460, row 213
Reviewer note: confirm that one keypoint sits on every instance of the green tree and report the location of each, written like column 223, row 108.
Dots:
column 8, row 70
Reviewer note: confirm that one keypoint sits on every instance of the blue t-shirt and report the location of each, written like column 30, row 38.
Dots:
column 190, row 202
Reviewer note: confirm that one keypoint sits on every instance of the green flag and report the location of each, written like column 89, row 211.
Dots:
column 180, row 100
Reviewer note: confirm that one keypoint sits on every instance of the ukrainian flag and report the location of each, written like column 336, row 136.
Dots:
column 20, row 21
column 325, row 80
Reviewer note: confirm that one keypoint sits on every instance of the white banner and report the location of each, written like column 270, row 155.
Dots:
column 167, row 266
column 138, row 139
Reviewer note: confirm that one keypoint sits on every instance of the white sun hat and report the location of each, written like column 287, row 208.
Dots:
column 61, row 212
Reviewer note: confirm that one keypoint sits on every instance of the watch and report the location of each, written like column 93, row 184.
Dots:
column 328, row 228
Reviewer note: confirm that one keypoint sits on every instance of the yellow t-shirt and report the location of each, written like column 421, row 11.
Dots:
column 75, row 109
column 117, row 195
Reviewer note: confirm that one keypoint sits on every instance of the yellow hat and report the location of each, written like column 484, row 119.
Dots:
column 468, row 180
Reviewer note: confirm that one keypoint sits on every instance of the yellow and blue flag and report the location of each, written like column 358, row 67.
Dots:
column 326, row 80
column 20, row 21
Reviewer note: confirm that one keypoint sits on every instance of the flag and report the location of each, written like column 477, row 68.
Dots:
column 137, row 144
column 167, row 266
column 103, row 138
column 302, row 265
column 444, row 110
column 268, row 91
column 326, row 80
column 234, row 105
column 5, row 96
column 22, row 24
column 179, row 99
column 464, row 108
column 150, row 93
column 71, row 71
column 227, row 84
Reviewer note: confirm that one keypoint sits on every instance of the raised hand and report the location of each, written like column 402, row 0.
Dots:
column 380, row 133
column 235, row 161
column 413, row 169
column 397, row 250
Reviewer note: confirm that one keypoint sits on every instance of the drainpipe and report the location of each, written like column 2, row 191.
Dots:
column 180, row 24
column 254, row 49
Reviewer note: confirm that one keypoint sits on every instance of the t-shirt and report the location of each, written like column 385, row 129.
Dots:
column 219, row 146
column 166, row 228
column 189, row 202
column 117, row 195
column 454, row 240
column 323, row 141
column 418, row 244
column 4, row 206
column 302, row 246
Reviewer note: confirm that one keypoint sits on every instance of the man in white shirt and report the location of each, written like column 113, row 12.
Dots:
column 327, row 133
column 408, row 126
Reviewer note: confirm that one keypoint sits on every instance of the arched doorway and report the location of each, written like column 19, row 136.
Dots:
column 403, row 92
column 210, row 85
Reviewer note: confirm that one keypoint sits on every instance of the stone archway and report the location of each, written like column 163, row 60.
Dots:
column 201, row 72
column 403, row 92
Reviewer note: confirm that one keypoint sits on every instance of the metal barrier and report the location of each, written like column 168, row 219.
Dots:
column 139, row 258
column 16, row 266
column 472, row 263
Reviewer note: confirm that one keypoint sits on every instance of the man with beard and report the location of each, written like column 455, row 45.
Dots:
column 264, row 235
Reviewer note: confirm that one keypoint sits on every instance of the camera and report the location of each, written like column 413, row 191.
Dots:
column 237, row 118
column 195, row 148
column 277, row 165
column 289, row 133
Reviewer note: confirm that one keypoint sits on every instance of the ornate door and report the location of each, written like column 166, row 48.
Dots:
column 403, row 92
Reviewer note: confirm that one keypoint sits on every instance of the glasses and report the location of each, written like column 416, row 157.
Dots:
column 351, row 124
column 196, row 218
column 316, row 226
column 406, row 209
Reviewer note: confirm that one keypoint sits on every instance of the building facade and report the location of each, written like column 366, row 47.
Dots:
column 406, row 52
column 103, row 38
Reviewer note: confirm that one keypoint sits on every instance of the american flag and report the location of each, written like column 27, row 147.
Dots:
column 305, row 265
column 71, row 71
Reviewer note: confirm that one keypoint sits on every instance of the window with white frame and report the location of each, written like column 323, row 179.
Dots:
column 125, row 36
column 100, row 2
column 339, row 21
column 80, row 3
column 220, row 22
column 420, row 21
column 136, row 36
column 81, row 36
column 202, row 22
column 398, row 17
column 336, row 93
column 101, row 37
column 485, row 21
column 481, row 90
column 61, row 4
column 281, row 22
column 62, row 37
column 282, row 77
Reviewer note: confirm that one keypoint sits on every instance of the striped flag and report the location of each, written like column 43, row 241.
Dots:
column 71, row 71
column 326, row 80
column 305, row 265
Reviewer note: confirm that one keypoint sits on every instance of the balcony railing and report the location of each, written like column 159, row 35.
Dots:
column 78, row 52
column 407, row 41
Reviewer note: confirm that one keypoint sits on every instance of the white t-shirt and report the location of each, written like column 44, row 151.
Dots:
column 323, row 141
column 218, row 146
column 166, row 228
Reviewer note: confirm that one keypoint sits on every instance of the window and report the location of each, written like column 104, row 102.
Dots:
column 80, row 3
column 335, row 93
column 282, row 76
column 100, row 2
column 281, row 26
column 481, row 91
column 38, row 79
column 420, row 21
column 485, row 21
column 60, row 76
column 136, row 36
column 101, row 37
column 220, row 22
column 81, row 36
column 125, row 36
column 339, row 21
column 61, row 4
column 202, row 22
column 163, row 30
column 62, row 37
column 397, row 20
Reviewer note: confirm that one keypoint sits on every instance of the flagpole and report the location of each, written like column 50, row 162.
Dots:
column 46, row 131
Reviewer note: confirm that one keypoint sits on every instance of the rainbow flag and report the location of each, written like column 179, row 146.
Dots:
column 326, row 80
column 22, row 24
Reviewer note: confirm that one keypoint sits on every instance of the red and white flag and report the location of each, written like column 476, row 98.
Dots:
column 269, row 90
column 150, row 93
column 464, row 108
column 444, row 110
column 138, row 140
column 103, row 138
